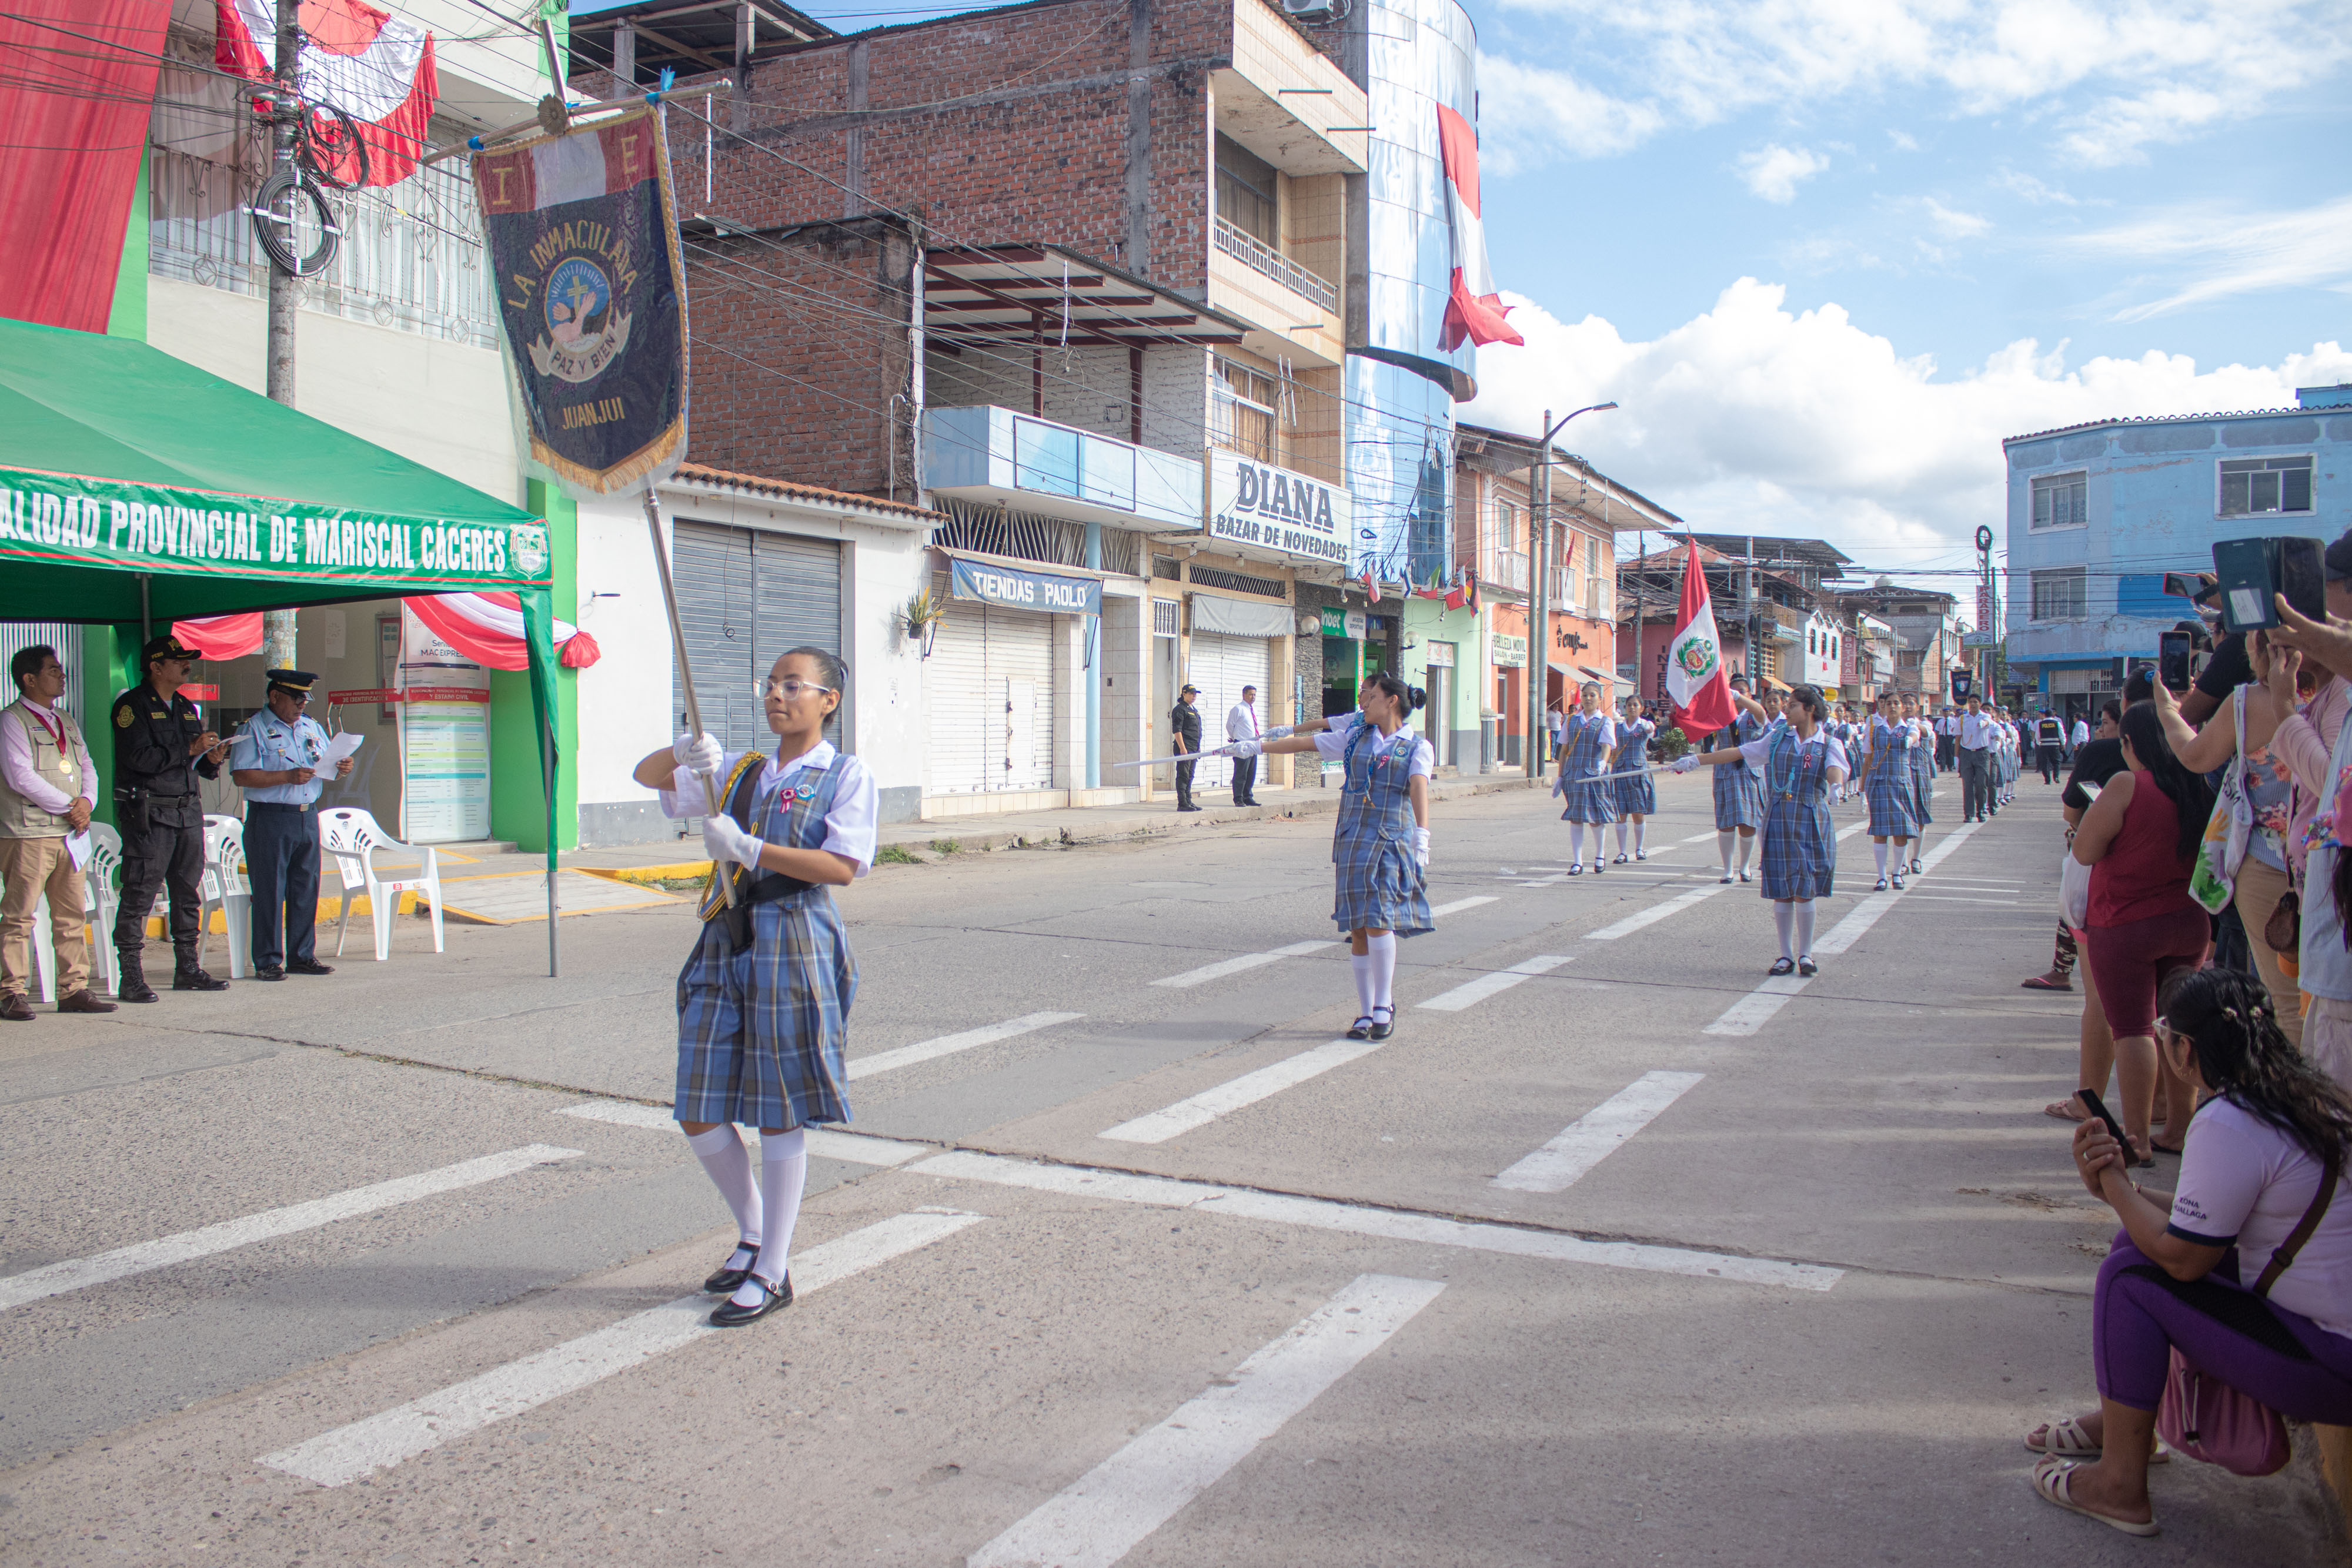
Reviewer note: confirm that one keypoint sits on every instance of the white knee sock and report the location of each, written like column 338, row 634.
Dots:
column 1747, row 849
column 1620, row 838
column 1902, row 856
column 1723, row 848
column 1384, row 956
column 1576, row 843
column 1804, row 908
column 1363, row 962
column 722, row 1153
column 784, row 1173
column 1783, row 912
column 1878, row 853
column 1642, row 834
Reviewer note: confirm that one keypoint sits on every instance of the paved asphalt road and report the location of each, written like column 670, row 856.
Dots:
column 1612, row 1255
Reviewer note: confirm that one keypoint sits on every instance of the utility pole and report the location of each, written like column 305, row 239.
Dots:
column 1540, row 597
column 279, row 625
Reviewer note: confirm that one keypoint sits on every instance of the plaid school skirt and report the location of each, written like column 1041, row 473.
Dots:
column 761, row 1032
column 1637, row 796
column 1738, row 798
column 1923, row 789
column 1800, row 854
column 1589, row 799
column 1893, row 804
column 1380, row 887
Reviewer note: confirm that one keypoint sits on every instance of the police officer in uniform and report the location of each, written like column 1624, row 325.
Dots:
column 274, row 760
column 1184, row 729
column 161, row 747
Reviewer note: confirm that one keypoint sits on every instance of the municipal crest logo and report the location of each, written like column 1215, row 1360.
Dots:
column 530, row 544
column 583, row 332
column 1696, row 657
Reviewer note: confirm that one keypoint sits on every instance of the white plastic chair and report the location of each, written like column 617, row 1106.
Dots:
column 99, row 898
column 227, row 887
column 353, row 838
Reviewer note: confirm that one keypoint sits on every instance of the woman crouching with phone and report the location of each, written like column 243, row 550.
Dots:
column 2245, row 1270
column 763, row 1001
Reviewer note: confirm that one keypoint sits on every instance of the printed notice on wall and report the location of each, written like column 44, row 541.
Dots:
column 444, row 740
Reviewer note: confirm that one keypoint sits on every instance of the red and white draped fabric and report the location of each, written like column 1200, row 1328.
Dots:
column 221, row 636
column 487, row 629
column 373, row 66
column 1473, row 310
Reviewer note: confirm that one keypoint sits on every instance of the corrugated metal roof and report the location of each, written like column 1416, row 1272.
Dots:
column 2160, row 419
column 698, row 474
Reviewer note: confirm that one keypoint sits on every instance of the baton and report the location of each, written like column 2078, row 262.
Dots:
column 685, row 675
column 1180, row 757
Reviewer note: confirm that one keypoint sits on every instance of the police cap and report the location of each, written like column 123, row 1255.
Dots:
column 297, row 682
column 164, row 647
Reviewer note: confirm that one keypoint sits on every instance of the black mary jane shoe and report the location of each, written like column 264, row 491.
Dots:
column 726, row 1281
column 1362, row 1029
column 1807, row 968
column 773, row 1297
column 1782, row 966
column 1380, row 1029
column 1746, row 877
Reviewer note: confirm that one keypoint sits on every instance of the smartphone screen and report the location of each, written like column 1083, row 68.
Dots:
column 2303, row 576
column 2090, row 1097
column 2172, row 651
column 2247, row 570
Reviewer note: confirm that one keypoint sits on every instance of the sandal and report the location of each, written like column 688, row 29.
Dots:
column 2044, row 983
column 2067, row 1109
column 2052, row 1477
column 2063, row 1439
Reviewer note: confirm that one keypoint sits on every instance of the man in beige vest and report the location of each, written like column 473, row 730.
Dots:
column 47, row 788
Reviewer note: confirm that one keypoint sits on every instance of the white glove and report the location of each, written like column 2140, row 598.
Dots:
column 722, row 839
column 1685, row 763
column 1244, row 748
column 1279, row 732
column 699, row 754
column 1421, row 848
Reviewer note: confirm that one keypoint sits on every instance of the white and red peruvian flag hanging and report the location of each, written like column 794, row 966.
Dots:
column 1695, row 682
column 487, row 629
column 1474, row 310
column 371, row 64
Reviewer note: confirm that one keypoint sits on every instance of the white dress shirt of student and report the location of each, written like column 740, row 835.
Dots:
column 764, row 998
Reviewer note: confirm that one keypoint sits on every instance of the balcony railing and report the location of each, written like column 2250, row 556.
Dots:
column 1255, row 254
column 1506, row 569
column 410, row 257
column 993, row 455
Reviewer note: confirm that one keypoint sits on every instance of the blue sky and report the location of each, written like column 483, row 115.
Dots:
column 1827, row 253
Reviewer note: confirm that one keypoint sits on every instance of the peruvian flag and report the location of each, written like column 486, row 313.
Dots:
column 373, row 66
column 1695, row 678
column 487, row 629
column 221, row 636
column 1372, row 584
column 1475, row 311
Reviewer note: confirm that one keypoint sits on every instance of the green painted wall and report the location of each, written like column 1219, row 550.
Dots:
column 126, row 316
column 518, row 801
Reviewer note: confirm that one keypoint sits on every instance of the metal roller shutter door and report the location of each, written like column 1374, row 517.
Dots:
column 991, row 673
column 744, row 597
column 1221, row 666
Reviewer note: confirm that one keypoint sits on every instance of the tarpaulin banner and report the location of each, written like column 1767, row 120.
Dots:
column 591, row 297
column 67, row 519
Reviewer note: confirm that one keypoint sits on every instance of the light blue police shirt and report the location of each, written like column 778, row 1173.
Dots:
column 267, row 744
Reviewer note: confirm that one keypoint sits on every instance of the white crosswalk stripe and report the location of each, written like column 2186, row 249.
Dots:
column 1459, row 905
column 1223, row 966
column 362, row 1448
column 1658, row 912
column 1104, row 1514
column 1598, row 1134
column 948, row 1044
column 1470, row 993
column 1248, row 1090
column 80, row 1273
column 823, row 1143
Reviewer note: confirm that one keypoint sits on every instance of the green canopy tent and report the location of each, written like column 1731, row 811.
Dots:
column 136, row 490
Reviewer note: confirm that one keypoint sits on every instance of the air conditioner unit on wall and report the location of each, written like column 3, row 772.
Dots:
column 1308, row 8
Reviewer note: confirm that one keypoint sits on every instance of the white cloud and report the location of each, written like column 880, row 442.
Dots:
column 1803, row 424
column 2232, row 253
column 2115, row 77
column 1952, row 224
column 2030, row 189
column 1551, row 109
column 1772, row 170
column 1903, row 142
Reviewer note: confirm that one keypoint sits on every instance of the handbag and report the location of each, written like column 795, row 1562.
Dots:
column 2284, row 930
column 2208, row 1419
column 2074, row 889
column 2213, row 883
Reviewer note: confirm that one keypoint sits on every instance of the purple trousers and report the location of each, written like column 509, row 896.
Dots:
column 2139, row 1313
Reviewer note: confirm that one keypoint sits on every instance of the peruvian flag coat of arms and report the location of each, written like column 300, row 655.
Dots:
column 1473, row 309
column 1695, row 679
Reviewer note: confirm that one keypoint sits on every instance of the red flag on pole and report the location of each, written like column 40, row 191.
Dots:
column 1695, row 679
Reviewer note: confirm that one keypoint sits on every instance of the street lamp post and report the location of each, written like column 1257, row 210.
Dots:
column 1539, row 614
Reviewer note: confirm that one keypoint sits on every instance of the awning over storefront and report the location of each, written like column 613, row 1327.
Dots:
column 1239, row 617
column 136, row 490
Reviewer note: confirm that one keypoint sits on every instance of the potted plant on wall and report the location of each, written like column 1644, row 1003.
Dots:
column 922, row 618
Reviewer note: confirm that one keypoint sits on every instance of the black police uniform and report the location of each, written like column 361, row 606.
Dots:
column 1184, row 728
column 162, row 819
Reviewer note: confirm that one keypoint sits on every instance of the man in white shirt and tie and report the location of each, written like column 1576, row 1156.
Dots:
column 1979, row 732
column 1241, row 724
column 2079, row 739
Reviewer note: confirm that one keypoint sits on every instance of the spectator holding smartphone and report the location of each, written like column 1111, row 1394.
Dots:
column 2246, row 1269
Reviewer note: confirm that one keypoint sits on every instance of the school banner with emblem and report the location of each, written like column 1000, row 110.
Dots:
column 592, row 298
